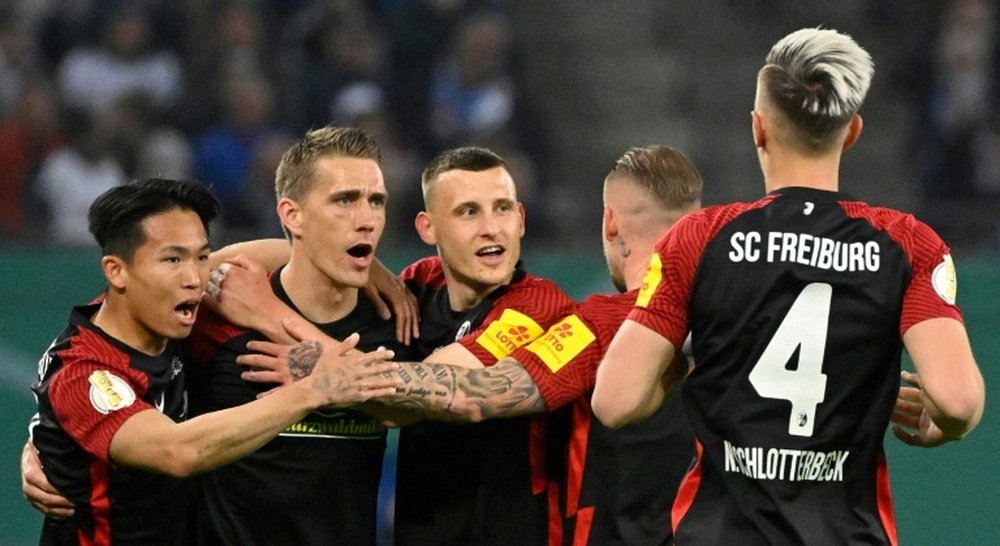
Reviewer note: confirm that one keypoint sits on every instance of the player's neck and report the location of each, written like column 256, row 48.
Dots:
column 783, row 170
column 115, row 319
column 319, row 298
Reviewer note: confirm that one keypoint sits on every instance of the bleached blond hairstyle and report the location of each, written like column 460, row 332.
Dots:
column 817, row 78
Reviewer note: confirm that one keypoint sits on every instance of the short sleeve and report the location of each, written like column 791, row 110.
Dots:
column 934, row 281
column 662, row 304
column 91, row 401
column 519, row 316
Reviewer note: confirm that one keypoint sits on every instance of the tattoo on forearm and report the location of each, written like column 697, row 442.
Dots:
column 461, row 394
column 302, row 358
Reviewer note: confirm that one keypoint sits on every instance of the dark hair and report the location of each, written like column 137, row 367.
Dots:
column 470, row 158
column 116, row 216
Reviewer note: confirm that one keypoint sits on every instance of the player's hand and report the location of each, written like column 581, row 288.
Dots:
column 911, row 422
column 266, row 363
column 239, row 291
column 391, row 297
column 38, row 491
column 344, row 376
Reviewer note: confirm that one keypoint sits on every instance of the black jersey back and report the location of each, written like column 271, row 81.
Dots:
column 317, row 482
column 796, row 307
column 483, row 483
column 89, row 384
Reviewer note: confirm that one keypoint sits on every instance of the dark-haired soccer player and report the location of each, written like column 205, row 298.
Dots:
column 111, row 386
column 798, row 305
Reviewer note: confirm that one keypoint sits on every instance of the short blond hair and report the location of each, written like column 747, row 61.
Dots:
column 294, row 176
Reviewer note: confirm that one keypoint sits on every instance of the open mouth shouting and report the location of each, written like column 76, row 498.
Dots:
column 361, row 254
column 187, row 310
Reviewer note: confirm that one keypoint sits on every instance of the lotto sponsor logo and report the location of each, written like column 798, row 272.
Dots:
column 109, row 392
column 944, row 280
column 562, row 343
column 794, row 465
column 510, row 331
column 651, row 281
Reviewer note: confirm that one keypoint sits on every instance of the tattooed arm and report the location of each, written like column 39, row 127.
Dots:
column 452, row 393
column 429, row 390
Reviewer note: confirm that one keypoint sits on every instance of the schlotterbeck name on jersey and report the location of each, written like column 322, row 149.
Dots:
column 794, row 465
column 805, row 249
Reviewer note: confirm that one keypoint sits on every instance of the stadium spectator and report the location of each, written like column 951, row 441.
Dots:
column 93, row 78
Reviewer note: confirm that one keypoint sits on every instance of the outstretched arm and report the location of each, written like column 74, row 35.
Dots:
column 269, row 253
column 951, row 386
column 427, row 389
column 152, row 441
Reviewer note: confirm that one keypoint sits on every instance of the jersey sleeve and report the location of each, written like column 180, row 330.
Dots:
column 662, row 304
column 563, row 361
column 423, row 272
column 91, row 400
column 933, row 283
column 520, row 315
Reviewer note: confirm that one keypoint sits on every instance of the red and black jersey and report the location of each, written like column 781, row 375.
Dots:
column 90, row 384
column 484, row 483
column 619, row 484
column 317, row 482
column 796, row 304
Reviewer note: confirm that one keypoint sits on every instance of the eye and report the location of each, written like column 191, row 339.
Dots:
column 505, row 207
column 378, row 202
column 468, row 212
column 172, row 259
column 203, row 257
column 343, row 201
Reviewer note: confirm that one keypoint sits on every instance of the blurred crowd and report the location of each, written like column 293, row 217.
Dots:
column 96, row 92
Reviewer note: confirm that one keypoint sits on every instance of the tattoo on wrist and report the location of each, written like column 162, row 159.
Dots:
column 302, row 359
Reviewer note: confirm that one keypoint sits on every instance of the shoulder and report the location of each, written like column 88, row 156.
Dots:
column 424, row 272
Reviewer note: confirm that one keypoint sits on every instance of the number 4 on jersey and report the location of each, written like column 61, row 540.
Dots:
column 804, row 326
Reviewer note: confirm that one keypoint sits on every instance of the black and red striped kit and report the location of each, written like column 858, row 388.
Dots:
column 796, row 304
column 483, row 483
column 89, row 385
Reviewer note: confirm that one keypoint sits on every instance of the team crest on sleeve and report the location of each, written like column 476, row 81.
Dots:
column 562, row 342
column 510, row 331
column 109, row 392
column 651, row 281
column 944, row 279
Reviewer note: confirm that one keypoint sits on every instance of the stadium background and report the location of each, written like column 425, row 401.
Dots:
column 560, row 88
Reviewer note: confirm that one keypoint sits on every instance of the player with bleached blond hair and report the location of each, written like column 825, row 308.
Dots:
column 799, row 306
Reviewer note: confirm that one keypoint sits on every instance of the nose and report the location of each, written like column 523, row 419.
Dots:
column 195, row 274
column 369, row 217
column 489, row 224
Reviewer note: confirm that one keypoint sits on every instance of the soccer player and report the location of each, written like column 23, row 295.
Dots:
column 477, row 305
column 798, row 305
column 110, row 393
column 318, row 481
column 619, row 484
